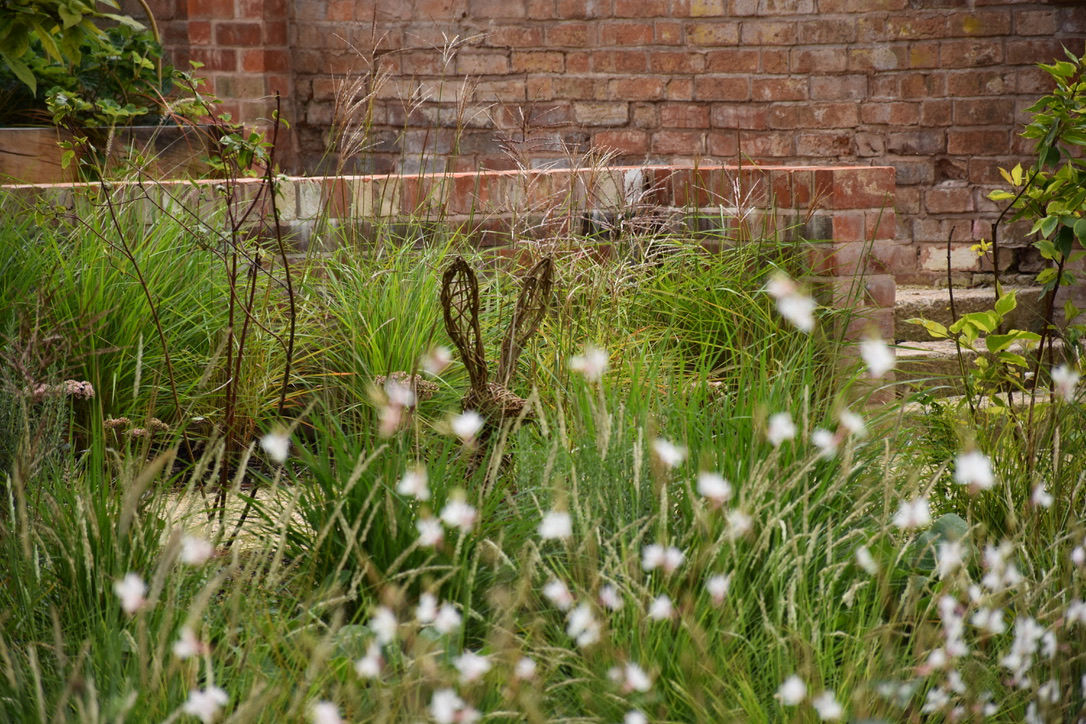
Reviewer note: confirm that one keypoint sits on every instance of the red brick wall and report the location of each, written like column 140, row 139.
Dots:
column 935, row 88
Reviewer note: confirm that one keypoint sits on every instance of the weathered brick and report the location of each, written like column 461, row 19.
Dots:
column 949, row 199
column 623, row 142
column 768, row 32
column 778, row 89
column 732, row 60
column 987, row 142
column 711, row 34
column 684, row 143
column 601, row 114
column 542, row 61
column 620, row 61
column 729, row 88
column 684, row 115
column 571, row 35
column 627, row 34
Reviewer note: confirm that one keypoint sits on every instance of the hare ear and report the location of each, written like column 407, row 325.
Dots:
column 532, row 304
column 460, row 305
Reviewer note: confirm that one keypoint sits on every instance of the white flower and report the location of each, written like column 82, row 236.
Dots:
column 558, row 594
column 556, row 524
column 635, row 678
column 793, row 691
column 913, row 514
column 656, row 556
column 1064, row 380
column 384, row 625
column 131, row 590
column 635, row 716
column 975, row 470
column 878, row 357
column 592, row 363
column 582, row 626
column 853, row 423
column 1041, row 498
column 610, row 598
column 471, row 666
column 827, row 706
column 718, row 586
column 825, row 441
column 714, row 487
column 866, row 561
column 277, row 446
column 430, row 532
column 187, row 645
column 447, row 620
column 369, row 666
column 458, row 514
column 525, row 668
column 948, row 557
column 467, row 425
column 781, row 428
column 324, row 712
column 399, row 395
column 436, row 360
column 204, row 704
column 739, row 523
column 1076, row 612
column 195, row 550
column 668, row 452
column 661, row 608
column 413, row 484
column 1078, row 555
column 426, row 611
column 446, row 706
column 989, row 619
column 797, row 308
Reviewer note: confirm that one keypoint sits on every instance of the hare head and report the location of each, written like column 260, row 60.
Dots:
column 460, row 303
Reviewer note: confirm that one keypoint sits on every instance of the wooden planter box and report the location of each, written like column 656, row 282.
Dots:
column 33, row 155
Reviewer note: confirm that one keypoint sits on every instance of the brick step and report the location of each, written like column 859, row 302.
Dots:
column 933, row 364
column 934, row 304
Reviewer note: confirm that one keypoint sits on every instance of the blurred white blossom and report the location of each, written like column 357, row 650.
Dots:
column 592, row 363
column 195, row 551
column 324, row 712
column 878, row 356
column 714, row 487
column 467, row 425
column 974, row 470
column 458, row 514
column 414, row 483
column 718, row 586
column 655, row 556
column 132, row 591
column 204, row 704
column 369, row 666
column 792, row 691
column 277, row 446
column 781, row 428
column 556, row 524
column 661, row 608
column 913, row 514
column 827, row 706
column 668, row 452
column 558, row 594
column 1064, row 380
column 471, row 666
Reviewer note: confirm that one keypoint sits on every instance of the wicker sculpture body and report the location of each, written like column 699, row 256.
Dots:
column 492, row 399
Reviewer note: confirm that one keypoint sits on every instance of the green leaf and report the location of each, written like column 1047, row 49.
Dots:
column 1011, row 358
column 1016, row 174
column 1070, row 311
column 935, row 329
column 1080, row 229
column 1047, row 249
column 1048, row 225
column 985, row 321
column 22, row 72
column 999, row 342
column 69, row 16
column 1047, row 276
column 1000, row 195
column 1006, row 303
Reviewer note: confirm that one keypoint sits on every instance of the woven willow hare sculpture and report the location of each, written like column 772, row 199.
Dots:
column 460, row 302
